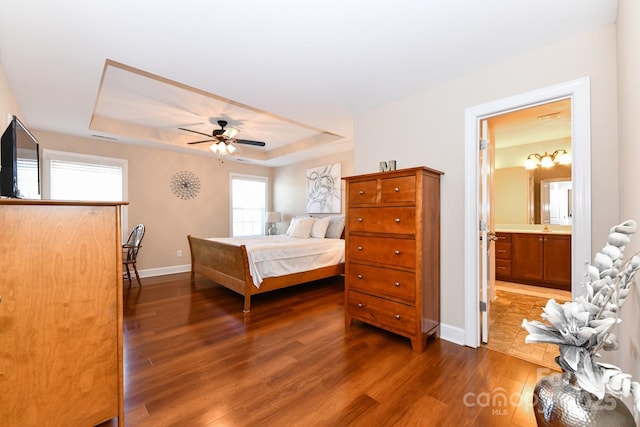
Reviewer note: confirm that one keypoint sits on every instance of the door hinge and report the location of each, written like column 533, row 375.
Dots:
column 483, row 144
column 483, row 306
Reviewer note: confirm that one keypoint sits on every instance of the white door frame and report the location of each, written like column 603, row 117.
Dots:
column 579, row 92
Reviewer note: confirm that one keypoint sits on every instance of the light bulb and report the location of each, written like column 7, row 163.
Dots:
column 546, row 161
column 564, row 158
column 530, row 163
column 230, row 133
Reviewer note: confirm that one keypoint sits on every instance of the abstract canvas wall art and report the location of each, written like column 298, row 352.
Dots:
column 323, row 189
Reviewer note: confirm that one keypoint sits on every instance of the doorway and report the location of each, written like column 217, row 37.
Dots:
column 578, row 92
column 531, row 184
column 529, row 196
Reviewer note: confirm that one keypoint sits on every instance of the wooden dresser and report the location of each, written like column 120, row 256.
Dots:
column 60, row 313
column 392, row 271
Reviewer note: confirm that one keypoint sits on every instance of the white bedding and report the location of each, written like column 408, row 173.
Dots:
column 271, row 256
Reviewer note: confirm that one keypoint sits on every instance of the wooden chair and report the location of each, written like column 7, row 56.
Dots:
column 130, row 251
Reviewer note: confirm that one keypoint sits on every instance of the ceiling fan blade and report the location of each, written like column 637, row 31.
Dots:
column 200, row 142
column 249, row 142
column 195, row 131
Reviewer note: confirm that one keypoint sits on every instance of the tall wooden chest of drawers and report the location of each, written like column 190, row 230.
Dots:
column 392, row 272
column 61, row 358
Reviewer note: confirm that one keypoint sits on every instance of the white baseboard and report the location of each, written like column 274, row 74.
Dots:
column 151, row 272
column 452, row 334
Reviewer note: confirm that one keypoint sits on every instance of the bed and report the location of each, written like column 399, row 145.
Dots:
column 254, row 265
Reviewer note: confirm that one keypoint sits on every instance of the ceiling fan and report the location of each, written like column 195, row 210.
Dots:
column 223, row 139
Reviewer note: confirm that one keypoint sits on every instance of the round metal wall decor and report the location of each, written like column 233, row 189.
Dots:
column 185, row 185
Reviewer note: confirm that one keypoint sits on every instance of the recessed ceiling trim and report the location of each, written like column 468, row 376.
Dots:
column 139, row 106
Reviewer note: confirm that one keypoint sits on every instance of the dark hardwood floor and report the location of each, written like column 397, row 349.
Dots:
column 192, row 358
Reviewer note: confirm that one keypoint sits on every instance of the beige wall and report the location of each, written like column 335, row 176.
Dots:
column 429, row 125
column 8, row 101
column 167, row 218
column 628, row 38
column 289, row 185
column 511, row 190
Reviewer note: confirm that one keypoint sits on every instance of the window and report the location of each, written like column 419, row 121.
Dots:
column 248, row 205
column 27, row 170
column 73, row 176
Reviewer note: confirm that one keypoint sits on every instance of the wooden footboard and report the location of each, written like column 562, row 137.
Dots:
column 222, row 263
column 228, row 266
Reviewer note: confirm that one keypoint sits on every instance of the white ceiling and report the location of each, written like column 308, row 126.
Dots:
column 291, row 73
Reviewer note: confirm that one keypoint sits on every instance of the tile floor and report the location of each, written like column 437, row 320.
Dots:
column 512, row 305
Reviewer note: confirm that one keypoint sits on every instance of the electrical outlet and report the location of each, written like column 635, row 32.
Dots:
column 179, row 253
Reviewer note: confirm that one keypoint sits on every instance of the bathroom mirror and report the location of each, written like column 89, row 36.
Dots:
column 555, row 202
column 550, row 196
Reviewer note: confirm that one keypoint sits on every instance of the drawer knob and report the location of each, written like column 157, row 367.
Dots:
column 397, row 284
column 359, row 248
column 361, row 192
column 360, row 305
column 359, row 276
column 396, row 189
column 397, row 252
column 359, row 219
column 398, row 316
column 397, row 220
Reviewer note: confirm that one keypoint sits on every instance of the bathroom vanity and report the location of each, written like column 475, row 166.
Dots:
column 534, row 258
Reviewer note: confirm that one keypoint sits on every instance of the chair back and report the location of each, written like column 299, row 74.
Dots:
column 134, row 241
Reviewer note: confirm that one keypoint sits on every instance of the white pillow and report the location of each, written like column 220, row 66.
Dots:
column 319, row 228
column 302, row 228
column 336, row 226
column 292, row 224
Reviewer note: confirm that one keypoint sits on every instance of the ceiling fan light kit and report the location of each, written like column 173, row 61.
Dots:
column 223, row 139
column 223, row 148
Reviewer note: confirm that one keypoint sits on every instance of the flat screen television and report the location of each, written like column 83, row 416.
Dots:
column 19, row 162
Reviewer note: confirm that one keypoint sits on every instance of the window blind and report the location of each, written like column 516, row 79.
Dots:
column 248, row 200
column 28, row 178
column 85, row 181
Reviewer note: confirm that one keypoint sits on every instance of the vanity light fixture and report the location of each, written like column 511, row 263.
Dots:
column 547, row 160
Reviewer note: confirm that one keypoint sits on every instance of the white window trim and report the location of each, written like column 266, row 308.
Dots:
column 247, row 178
column 48, row 155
